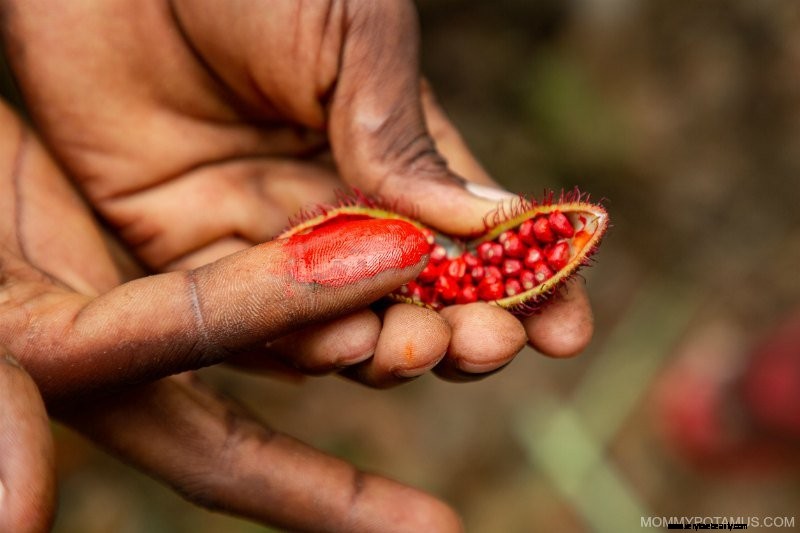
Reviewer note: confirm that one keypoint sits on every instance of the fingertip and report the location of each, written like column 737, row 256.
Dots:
column 324, row 347
column 415, row 337
column 377, row 509
column 441, row 517
column 412, row 341
column 565, row 327
column 354, row 339
column 485, row 338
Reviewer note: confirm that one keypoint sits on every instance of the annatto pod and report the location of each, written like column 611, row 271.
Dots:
column 525, row 253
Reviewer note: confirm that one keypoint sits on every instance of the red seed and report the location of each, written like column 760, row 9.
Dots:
column 429, row 273
column 528, row 279
column 447, row 288
column 511, row 268
column 438, row 254
column 467, row 295
column 503, row 236
column 470, row 260
column 525, row 232
column 561, row 224
column 513, row 246
column 542, row 273
column 494, row 272
column 491, row 252
column 558, row 255
column 484, row 251
column 533, row 256
column 490, row 288
column 466, row 281
column 542, row 230
column 456, row 269
column 414, row 291
column 428, row 235
column 478, row 272
column 513, row 287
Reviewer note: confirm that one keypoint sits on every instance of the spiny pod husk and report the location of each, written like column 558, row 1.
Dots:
column 524, row 254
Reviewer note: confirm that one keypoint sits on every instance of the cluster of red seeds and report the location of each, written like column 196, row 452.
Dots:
column 518, row 260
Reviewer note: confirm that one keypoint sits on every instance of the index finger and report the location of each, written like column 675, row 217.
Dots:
column 217, row 455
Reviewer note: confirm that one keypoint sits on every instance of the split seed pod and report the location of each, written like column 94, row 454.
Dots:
column 524, row 254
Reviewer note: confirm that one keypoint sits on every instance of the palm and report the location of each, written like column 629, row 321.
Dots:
column 186, row 168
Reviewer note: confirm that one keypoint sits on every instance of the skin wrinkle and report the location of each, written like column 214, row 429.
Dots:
column 134, row 235
column 415, row 157
column 358, row 483
column 219, row 86
column 19, row 214
column 393, row 122
column 418, row 147
column 327, row 89
column 204, row 345
column 297, row 19
column 423, row 157
column 16, row 171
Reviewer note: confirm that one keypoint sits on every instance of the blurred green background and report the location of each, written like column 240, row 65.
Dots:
column 685, row 116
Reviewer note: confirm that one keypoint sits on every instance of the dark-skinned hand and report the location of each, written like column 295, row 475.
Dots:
column 195, row 129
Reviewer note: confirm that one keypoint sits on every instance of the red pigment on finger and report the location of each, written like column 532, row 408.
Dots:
column 341, row 253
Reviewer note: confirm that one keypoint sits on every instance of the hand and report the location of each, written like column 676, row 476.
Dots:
column 197, row 128
column 66, row 315
column 167, row 114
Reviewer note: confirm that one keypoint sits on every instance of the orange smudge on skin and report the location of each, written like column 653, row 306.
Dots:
column 409, row 352
column 346, row 252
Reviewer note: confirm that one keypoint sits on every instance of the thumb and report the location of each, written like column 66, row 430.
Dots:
column 377, row 126
column 168, row 323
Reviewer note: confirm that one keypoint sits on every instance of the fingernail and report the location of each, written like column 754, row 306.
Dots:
column 487, row 192
column 11, row 361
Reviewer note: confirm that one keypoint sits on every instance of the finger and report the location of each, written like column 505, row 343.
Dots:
column 413, row 340
column 565, row 326
column 321, row 348
column 209, row 253
column 377, row 126
column 485, row 338
column 27, row 470
column 251, row 199
column 216, row 455
column 42, row 218
column 351, row 68
column 163, row 324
